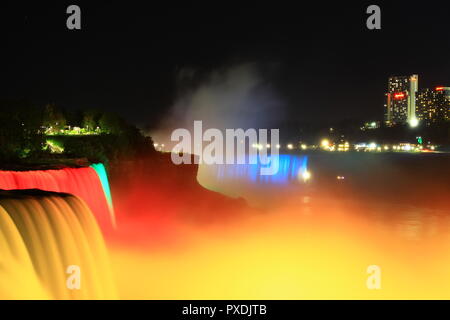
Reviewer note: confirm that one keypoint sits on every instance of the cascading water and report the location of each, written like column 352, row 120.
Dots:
column 103, row 176
column 88, row 183
column 41, row 235
column 290, row 169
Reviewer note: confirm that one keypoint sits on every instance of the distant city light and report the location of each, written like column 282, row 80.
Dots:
column 325, row 143
column 290, row 146
column 399, row 95
column 342, row 147
column 306, row 175
column 414, row 122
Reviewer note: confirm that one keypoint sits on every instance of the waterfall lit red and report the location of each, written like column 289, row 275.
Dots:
column 84, row 183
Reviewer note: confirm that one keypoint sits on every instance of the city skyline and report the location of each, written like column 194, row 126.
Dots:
column 407, row 103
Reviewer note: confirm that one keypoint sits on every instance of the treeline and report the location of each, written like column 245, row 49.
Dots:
column 91, row 119
column 23, row 128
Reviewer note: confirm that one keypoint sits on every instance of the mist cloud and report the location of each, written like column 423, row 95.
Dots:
column 236, row 97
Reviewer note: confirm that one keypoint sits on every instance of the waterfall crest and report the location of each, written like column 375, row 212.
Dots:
column 88, row 183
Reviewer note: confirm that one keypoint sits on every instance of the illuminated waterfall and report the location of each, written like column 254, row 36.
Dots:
column 103, row 176
column 290, row 169
column 88, row 183
column 41, row 235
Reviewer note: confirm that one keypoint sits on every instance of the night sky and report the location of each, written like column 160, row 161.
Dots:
column 321, row 60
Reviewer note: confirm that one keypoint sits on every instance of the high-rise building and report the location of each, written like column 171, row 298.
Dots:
column 433, row 105
column 400, row 107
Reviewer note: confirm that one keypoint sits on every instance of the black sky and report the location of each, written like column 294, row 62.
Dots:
column 321, row 58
